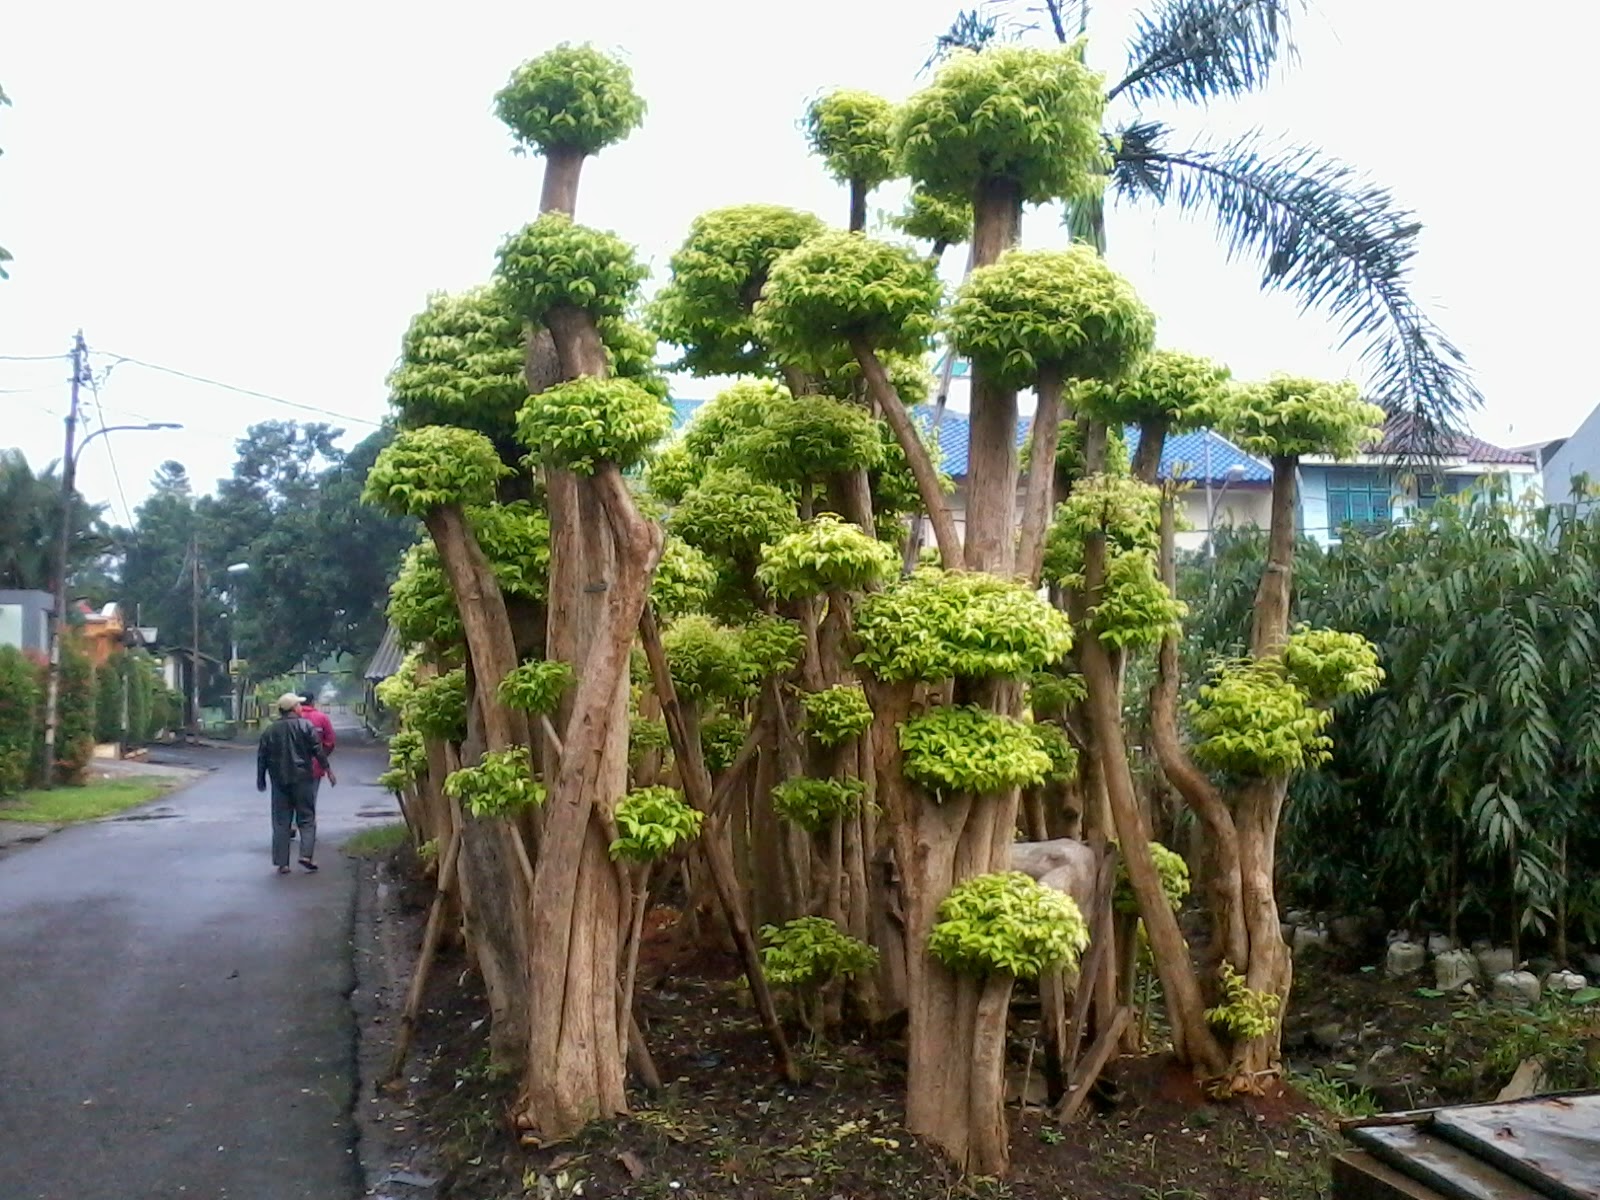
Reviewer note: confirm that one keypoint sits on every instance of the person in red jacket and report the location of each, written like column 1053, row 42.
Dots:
column 324, row 727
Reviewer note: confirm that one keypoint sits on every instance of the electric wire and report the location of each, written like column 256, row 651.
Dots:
column 244, row 391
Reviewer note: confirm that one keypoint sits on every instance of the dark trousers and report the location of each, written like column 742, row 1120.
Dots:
column 294, row 804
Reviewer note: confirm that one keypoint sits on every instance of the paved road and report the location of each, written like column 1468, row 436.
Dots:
column 174, row 1019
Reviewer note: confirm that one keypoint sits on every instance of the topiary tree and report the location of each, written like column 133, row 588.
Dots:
column 852, row 132
column 1009, row 126
column 1037, row 319
column 567, row 104
column 1168, row 392
column 809, row 953
column 845, row 293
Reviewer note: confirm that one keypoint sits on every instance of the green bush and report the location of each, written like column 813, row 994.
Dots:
column 20, row 696
column 108, row 685
column 1007, row 923
column 74, row 714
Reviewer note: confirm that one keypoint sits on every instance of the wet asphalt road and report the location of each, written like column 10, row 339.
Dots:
column 174, row 1017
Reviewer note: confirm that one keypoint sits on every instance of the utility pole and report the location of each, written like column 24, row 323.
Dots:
column 194, row 638
column 58, row 617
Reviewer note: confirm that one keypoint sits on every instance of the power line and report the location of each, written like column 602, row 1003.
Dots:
column 111, row 455
column 32, row 357
column 244, row 391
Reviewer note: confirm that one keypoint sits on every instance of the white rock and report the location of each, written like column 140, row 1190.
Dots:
column 1454, row 969
column 1405, row 958
column 1517, row 987
column 1565, row 981
column 1307, row 937
column 1440, row 943
column 1496, row 961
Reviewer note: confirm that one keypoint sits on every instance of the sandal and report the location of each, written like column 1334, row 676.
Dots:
column 307, row 864
column 283, row 870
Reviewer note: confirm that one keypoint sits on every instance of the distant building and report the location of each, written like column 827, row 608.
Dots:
column 1565, row 459
column 25, row 620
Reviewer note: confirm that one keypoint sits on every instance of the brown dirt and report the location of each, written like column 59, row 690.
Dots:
column 725, row 1127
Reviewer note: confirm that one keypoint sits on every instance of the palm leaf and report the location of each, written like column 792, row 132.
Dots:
column 1196, row 50
column 1335, row 241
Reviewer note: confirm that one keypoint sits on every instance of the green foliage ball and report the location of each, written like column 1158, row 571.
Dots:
column 683, row 581
column 570, row 98
column 1050, row 310
column 1136, row 610
column 672, row 473
column 942, row 220
column 502, row 784
column 1252, row 720
column 433, row 467
column 837, row 286
column 1172, row 869
column 706, row 660
column 771, row 645
column 1290, row 417
column 652, row 822
column 556, row 263
column 631, row 352
column 730, row 515
column 1007, row 923
column 1063, row 754
column 587, row 421
column 1327, row 664
column 851, row 132
column 536, row 687
column 717, row 276
column 515, row 538
column 808, row 439
column 721, row 739
column 815, row 804
column 407, row 754
column 825, row 555
column 935, row 625
column 422, row 607
column 810, row 951
column 1126, row 511
column 836, row 714
column 646, row 734
column 967, row 749
column 439, row 706
column 461, row 363
column 1052, row 695
column 1183, row 390
column 1027, row 115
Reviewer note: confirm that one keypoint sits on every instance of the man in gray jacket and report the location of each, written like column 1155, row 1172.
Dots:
column 288, row 755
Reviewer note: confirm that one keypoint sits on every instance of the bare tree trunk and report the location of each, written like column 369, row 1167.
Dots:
column 1147, row 458
column 1271, row 626
column 1037, row 505
column 922, row 468
column 858, row 206
column 562, row 169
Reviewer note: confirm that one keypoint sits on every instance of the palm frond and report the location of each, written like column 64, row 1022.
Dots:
column 971, row 30
column 1335, row 241
column 1197, row 50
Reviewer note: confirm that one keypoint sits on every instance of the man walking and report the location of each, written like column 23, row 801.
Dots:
column 324, row 725
column 288, row 754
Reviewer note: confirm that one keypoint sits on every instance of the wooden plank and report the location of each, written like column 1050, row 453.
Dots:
column 1359, row 1176
column 1097, row 960
column 1105, row 1045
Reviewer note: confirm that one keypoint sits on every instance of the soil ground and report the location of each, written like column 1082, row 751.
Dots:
column 724, row 1128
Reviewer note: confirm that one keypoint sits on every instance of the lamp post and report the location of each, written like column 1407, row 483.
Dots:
column 1231, row 476
column 58, row 616
column 235, row 570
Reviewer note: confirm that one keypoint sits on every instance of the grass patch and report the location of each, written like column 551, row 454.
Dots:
column 377, row 841
column 66, row 805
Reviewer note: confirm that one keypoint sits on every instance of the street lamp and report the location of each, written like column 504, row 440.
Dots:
column 58, row 619
column 233, row 635
column 1231, row 476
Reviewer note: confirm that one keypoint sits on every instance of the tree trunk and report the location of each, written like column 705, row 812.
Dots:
column 858, row 206
column 1037, row 506
column 1192, row 1037
column 1271, row 625
column 992, row 453
column 562, row 168
column 1146, row 463
column 916, row 452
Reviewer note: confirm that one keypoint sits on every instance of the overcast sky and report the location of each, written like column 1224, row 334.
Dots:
column 265, row 194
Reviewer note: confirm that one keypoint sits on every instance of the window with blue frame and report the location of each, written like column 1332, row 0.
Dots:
column 1431, row 487
column 1359, row 498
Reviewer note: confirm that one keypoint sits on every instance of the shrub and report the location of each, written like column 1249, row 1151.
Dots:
column 815, row 804
column 836, row 714
column 108, row 685
column 810, row 951
column 501, row 784
column 970, row 749
column 20, row 697
column 651, row 822
column 1007, row 923
column 536, row 687
column 74, row 713
column 570, row 98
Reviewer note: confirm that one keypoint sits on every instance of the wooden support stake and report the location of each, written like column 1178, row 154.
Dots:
column 1105, row 1045
column 425, row 958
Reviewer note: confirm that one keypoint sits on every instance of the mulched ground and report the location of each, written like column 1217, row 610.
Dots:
column 724, row 1127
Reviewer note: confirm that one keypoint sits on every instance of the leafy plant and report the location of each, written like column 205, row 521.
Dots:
column 1327, row 664
column 1183, row 390
column 461, row 363
column 588, row 420
column 970, row 749
column 19, row 703
column 652, row 822
column 1174, row 872
column 683, row 581
column 570, row 98
column 730, row 515
column 706, row 660
column 850, row 131
column 556, row 263
column 1292, row 417
column 407, row 754
column 935, row 625
column 431, row 467
column 1008, row 923
column 1244, row 1014
column 836, row 714
column 1252, row 720
column 1136, row 609
column 815, row 804
column 721, row 739
column 825, row 555
column 438, row 707
column 809, row 951
column 537, row 686
column 500, row 785
column 771, row 645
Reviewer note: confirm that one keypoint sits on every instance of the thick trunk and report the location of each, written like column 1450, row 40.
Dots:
column 1271, row 626
column 483, row 617
column 1147, row 458
column 1271, row 967
column 1220, row 869
column 916, row 452
column 1037, row 504
column 1186, row 1007
column 562, row 168
column 858, row 206
column 992, row 453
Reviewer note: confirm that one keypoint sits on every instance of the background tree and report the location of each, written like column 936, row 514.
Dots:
column 30, row 524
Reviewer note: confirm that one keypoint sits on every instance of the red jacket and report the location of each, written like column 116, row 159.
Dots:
column 324, row 727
